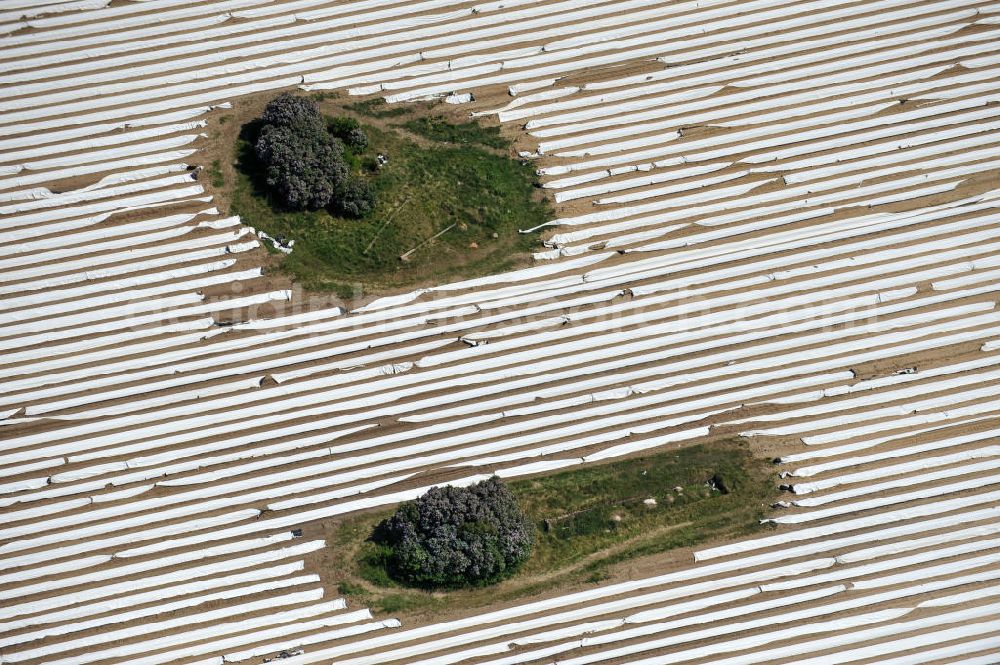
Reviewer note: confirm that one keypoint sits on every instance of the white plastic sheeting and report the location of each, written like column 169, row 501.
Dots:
column 53, row 620
column 922, row 637
column 888, row 517
column 551, row 61
column 900, row 337
column 173, row 642
column 93, row 592
column 88, row 492
column 862, row 476
column 203, row 617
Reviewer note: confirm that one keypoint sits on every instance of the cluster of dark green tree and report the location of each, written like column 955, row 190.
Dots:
column 305, row 162
column 456, row 536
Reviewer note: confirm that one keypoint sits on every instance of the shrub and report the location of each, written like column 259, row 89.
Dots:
column 341, row 125
column 354, row 198
column 349, row 131
column 356, row 140
column 453, row 536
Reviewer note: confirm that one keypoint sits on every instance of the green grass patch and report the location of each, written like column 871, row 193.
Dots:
column 324, row 95
column 351, row 589
column 701, row 492
column 437, row 128
column 396, row 603
column 377, row 108
column 589, row 519
column 473, row 199
column 215, row 173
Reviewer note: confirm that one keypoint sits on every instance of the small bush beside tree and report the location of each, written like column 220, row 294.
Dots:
column 457, row 536
column 354, row 199
column 349, row 131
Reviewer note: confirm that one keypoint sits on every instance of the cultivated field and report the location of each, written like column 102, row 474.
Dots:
column 775, row 219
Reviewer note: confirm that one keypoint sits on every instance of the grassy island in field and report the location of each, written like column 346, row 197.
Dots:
column 585, row 521
column 447, row 196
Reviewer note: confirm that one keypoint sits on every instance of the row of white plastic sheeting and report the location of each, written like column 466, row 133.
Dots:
column 160, row 595
column 718, row 107
column 835, row 365
column 592, row 640
column 585, row 51
column 351, row 391
column 862, row 476
column 786, row 56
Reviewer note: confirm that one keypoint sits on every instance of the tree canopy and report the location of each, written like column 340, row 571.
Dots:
column 457, row 536
column 287, row 110
column 304, row 164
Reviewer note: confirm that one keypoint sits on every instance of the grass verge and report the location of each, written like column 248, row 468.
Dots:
column 587, row 521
